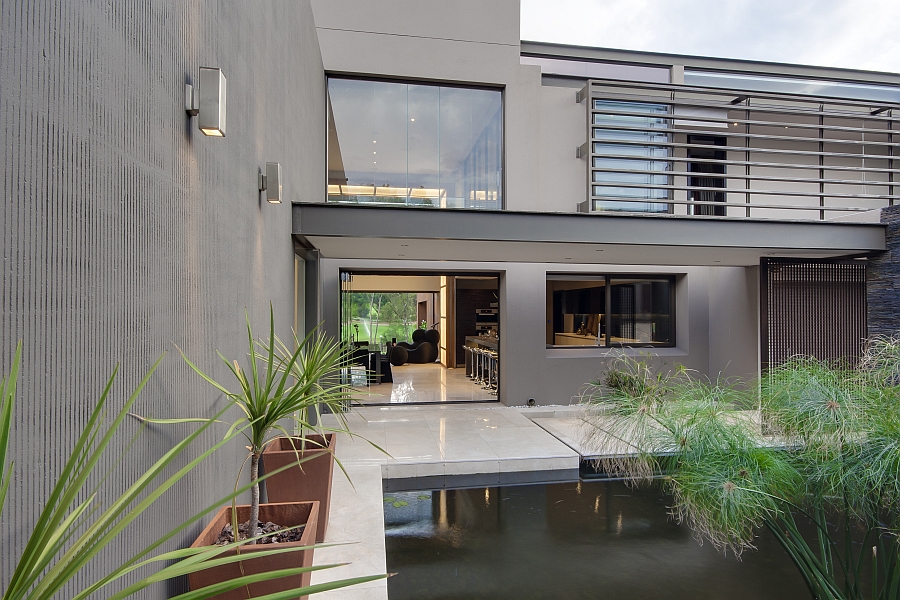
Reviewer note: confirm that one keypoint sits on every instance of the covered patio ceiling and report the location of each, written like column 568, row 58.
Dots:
column 409, row 233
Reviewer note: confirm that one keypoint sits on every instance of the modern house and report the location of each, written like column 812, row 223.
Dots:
column 575, row 203
column 718, row 213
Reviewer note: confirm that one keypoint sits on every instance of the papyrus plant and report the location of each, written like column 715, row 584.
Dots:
column 813, row 441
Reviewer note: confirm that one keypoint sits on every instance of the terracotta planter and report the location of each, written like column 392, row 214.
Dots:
column 288, row 514
column 310, row 480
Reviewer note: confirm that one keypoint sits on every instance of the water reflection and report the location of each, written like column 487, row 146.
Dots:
column 576, row 540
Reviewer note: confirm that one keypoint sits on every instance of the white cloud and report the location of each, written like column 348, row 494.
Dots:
column 855, row 34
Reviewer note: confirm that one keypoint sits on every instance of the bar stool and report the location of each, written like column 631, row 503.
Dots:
column 470, row 361
column 479, row 354
column 486, row 367
column 490, row 379
column 493, row 371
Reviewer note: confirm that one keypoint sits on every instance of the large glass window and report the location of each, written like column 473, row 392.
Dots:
column 625, row 150
column 414, row 144
column 608, row 311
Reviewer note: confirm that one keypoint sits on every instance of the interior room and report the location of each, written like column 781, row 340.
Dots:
column 422, row 337
column 601, row 310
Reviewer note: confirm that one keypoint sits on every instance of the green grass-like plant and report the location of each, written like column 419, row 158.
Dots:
column 70, row 533
column 813, row 442
column 283, row 385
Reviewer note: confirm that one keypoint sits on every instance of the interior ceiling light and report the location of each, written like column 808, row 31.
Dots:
column 207, row 102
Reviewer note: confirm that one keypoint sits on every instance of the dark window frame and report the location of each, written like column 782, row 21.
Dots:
column 607, row 278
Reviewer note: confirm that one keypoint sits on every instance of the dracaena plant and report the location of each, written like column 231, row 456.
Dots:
column 73, row 529
column 813, row 441
column 281, row 385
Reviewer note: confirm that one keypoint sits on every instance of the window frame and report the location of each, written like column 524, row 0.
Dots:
column 424, row 82
column 672, row 280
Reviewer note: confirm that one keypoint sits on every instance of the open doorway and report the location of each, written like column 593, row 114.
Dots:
column 423, row 337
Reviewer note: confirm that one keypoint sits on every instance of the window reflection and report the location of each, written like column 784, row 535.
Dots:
column 578, row 312
column 412, row 144
column 640, row 312
column 610, row 311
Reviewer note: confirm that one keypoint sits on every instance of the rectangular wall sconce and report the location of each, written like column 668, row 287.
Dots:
column 211, row 120
column 271, row 182
column 207, row 102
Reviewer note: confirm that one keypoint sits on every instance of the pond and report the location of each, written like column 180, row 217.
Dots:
column 580, row 540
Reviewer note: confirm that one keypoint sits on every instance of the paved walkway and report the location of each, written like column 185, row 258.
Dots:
column 427, row 441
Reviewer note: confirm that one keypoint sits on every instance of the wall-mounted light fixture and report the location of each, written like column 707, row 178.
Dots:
column 207, row 101
column 270, row 182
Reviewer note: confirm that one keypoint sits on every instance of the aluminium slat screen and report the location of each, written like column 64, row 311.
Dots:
column 688, row 150
column 812, row 308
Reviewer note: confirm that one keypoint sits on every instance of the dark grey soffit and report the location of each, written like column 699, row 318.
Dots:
column 355, row 221
column 658, row 59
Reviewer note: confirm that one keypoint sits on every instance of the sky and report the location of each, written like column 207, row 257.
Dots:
column 854, row 34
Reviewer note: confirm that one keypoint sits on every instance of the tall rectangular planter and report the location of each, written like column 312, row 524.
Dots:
column 310, row 480
column 288, row 514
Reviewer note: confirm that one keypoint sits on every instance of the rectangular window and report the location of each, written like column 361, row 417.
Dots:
column 414, row 144
column 609, row 311
column 627, row 162
column 706, row 175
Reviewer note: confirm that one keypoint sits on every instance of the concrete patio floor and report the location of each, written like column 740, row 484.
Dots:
column 427, row 383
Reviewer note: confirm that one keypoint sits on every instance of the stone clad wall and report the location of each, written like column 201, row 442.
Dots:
column 883, row 279
column 126, row 231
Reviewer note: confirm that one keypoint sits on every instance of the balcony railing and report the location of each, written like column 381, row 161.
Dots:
column 665, row 148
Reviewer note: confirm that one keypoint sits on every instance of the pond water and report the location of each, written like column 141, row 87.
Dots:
column 580, row 540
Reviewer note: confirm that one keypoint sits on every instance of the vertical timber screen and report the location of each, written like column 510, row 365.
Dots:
column 812, row 307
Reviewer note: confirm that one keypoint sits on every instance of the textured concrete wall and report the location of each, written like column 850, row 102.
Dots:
column 126, row 231
column 883, row 279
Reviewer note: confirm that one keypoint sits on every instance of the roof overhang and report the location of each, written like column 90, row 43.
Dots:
column 704, row 63
column 408, row 233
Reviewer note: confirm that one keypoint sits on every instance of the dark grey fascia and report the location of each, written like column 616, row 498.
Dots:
column 355, row 221
column 658, row 59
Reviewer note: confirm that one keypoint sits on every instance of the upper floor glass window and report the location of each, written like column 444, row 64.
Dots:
column 414, row 144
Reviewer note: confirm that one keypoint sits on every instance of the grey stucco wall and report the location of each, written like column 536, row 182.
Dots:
column 734, row 322
column 716, row 323
column 883, row 279
column 126, row 231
